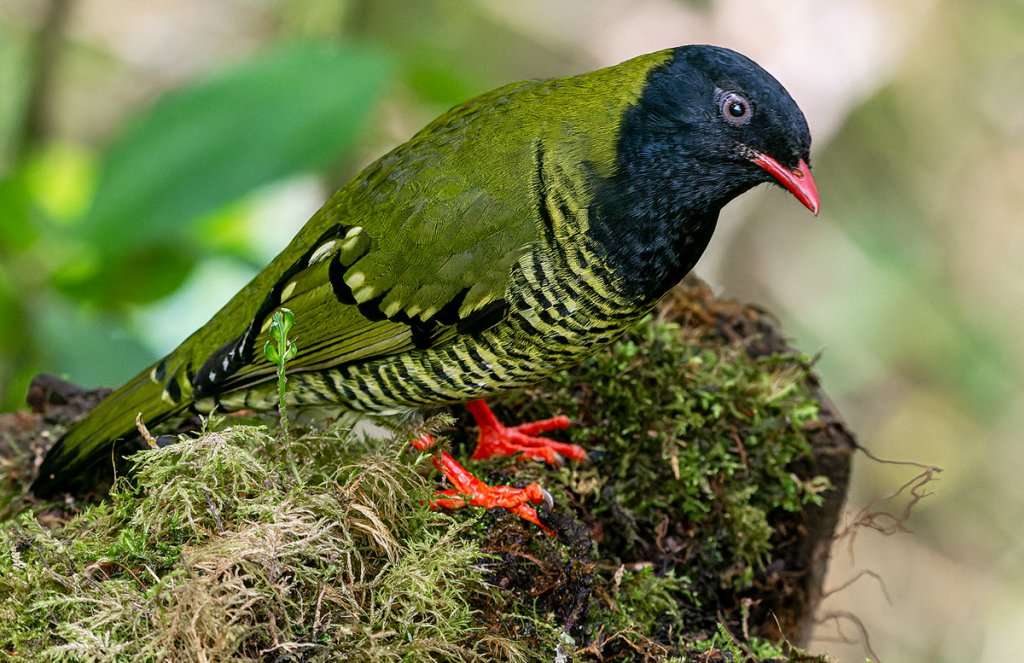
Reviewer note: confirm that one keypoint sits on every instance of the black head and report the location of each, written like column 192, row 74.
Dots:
column 709, row 125
column 721, row 124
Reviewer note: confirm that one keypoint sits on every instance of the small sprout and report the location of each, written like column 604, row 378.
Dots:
column 279, row 350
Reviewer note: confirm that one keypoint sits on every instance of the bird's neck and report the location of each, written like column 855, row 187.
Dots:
column 649, row 237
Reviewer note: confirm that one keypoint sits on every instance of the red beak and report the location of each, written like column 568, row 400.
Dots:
column 797, row 180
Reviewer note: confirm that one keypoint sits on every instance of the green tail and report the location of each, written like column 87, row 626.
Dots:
column 94, row 445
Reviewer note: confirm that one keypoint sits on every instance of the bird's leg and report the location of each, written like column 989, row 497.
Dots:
column 499, row 440
column 471, row 491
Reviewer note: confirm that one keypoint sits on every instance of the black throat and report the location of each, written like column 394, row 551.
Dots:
column 649, row 250
column 651, row 229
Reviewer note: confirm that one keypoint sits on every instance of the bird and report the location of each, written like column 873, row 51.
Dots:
column 510, row 238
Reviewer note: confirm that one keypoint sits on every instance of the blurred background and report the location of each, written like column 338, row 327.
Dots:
column 154, row 154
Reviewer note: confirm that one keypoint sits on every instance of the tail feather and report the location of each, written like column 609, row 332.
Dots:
column 95, row 442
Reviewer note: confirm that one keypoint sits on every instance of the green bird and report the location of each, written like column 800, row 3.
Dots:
column 510, row 238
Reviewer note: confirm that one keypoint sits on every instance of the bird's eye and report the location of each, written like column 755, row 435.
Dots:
column 736, row 109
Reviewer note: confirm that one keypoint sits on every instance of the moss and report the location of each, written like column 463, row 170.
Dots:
column 217, row 552
column 680, row 430
column 229, row 546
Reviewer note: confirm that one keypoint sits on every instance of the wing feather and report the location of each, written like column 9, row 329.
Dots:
column 415, row 245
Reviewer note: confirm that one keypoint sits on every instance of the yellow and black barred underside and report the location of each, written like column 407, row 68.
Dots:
column 556, row 318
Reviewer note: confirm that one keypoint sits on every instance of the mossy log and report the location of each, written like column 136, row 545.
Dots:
column 699, row 530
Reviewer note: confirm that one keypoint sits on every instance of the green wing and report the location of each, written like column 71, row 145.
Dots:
column 409, row 254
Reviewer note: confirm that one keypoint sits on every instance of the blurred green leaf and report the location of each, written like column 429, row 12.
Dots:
column 441, row 83
column 61, row 180
column 142, row 275
column 92, row 347
column 293, row 109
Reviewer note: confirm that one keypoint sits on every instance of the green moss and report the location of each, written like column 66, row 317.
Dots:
column 218, row 553
column 680, row 431
column 239, row 546
column 723, row 645
column 643, row 606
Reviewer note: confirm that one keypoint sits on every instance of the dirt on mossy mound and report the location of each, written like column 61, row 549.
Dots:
column 699, row 530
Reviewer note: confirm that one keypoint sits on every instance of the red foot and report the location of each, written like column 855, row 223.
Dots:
column 470, row 491
column 499, row 440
